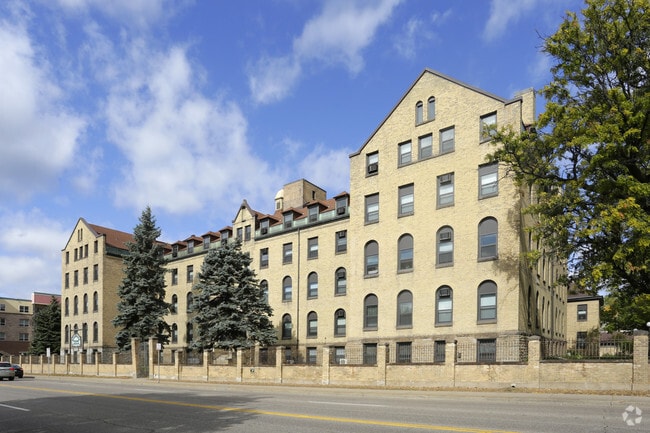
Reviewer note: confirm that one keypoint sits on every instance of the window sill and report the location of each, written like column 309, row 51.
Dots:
column 405, row 271
column 405, row 214
column 444, row 265
column 442, row 206
column 483, row 197
column 487, row 259
column 369, row 329
column 486, row 321
column 404, row 327
column 444, row 325
column 371, row 276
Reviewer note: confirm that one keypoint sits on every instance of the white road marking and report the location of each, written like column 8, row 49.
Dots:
column 14, row 407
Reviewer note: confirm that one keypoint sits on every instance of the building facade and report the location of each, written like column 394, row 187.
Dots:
column 425, row 248
column 16, row 326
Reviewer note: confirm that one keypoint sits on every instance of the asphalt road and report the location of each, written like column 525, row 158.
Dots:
column 98, row 405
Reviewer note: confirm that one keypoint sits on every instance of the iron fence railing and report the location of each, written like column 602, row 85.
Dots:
column 619, row 348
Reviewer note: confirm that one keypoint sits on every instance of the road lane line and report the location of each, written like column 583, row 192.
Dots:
column 280, row 414
column 14, row 407
column 346, row 404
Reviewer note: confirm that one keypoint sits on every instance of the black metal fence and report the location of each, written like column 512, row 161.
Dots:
column 617, row 348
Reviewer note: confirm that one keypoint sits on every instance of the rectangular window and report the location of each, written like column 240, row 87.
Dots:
column 312, row 248
column 446, row 190
column 287, row 253
column 23, row 323
column 439, row 350
column 67, row 257
column 174, row 277
column 487, row 306
column 96, row 247
column 312, row 355
column 264, row 257
column 24, row 309
column 2, row 336
column 425, row 146
column 404, row 153
column 95, row 272
column 313, row 214
column 372, row 208
column 486, row 350
column 190, row 273
column 206, row 243
column 2, row 307
column 341, row 241
column 264, row 227
column 23, row 336
column 582, row 312
column 447, row 140
column 488, row 180
column 370, row 353
column 406, row 200
column 67, row 280
column 372, row 163
column 288, row 220
column 190, row 247
column 488, row 122
column 404, row 353
column 339, row 355
column 240, row 234
column 85, row 275
column 3, row 322
column 247, row 233
column 76, row 278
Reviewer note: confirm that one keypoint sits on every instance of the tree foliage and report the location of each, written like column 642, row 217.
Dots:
column 231, row 309
column 588, row 157
column 142, row 303
column 47, row 329
column 626, row 313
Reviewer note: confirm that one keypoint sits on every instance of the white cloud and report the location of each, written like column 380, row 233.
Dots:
column 134, row 13
column 39, row 134
column 503, row 13
column 329, row 169
column 185, row 152
column 35, row 261
column 337, row 36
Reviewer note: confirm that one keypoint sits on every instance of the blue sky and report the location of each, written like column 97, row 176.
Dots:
column 192, row 106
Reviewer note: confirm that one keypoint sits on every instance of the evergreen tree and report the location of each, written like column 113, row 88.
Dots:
column 47, row 329
column 231, row 309
column 588, row 158
column 142, row 305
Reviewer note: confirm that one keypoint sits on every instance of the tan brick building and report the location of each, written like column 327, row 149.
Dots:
column 16, row 326
column 91, row 264
column 426, row 248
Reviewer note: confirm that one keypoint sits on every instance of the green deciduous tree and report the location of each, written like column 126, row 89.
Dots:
column 231, row 309
column 588, row 158
column 47, row 329
column 142, row 305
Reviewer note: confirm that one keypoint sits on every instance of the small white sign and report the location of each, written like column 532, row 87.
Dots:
column 75, row 340
column 47, row 352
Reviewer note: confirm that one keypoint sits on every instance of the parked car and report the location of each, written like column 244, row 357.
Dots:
column 7, row 371
column 19, row 370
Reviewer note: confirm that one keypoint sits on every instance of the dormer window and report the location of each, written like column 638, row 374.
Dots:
column 175, row 250
column 264, row 227
column 288, row 220
column 206, row 242
column 341, row 205
column 313, row 214
column 190, row 247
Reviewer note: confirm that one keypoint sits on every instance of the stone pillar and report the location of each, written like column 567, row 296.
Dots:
column 153, row 357
column 450, row 362
column 279, row 353
column 534, row 359
column 135, row 349
column 382, row 352
column 641, row 362
column 82, row 362
column 240, row 364
column 325, row 365
column 206, row 364
column 114, row 364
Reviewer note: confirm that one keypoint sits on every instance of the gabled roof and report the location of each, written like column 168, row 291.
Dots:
column 438, row 74
column 114, row 238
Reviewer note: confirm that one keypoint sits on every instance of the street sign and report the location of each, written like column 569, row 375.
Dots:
column 75, row 341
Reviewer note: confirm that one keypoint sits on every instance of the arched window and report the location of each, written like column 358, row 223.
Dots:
column 487, row 301
column 286, row 327
column 85, row 306
column 431, row 108
column 370, row 312
column 264, row 287
column 487, row 239
column 418, row 113
column 371, row 254
column 76, row 305
column 445, row 246
column 405, row 259
column 341, row 279
column 174, row 333
column 312, row 324
column 444, row 305
column 67, row 307
column 404, row 309
column 95, row 302
column 286, row 289
column 190, row 332
column 190, row 301
column 174, row 305
column 312, row 285
column 95, row 332
column 339, row 323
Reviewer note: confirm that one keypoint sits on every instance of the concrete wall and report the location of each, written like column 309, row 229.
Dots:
column 536, row 373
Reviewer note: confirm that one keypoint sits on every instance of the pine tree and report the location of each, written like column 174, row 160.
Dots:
column 142, row 305
column 47, row 329
column 231, row 309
